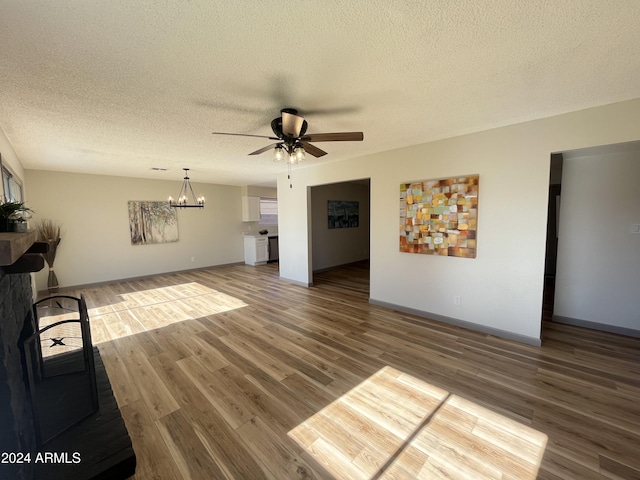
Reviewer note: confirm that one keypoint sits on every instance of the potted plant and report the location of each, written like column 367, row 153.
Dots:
column 9, row 211
column 20, row 223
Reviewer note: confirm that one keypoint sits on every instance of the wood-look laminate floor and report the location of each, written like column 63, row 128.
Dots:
column 231, row 373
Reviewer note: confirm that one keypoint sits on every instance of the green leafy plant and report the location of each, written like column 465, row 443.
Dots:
column 11, row 209
column 11, row 212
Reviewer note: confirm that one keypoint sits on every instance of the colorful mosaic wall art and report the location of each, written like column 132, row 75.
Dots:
column 440, row 217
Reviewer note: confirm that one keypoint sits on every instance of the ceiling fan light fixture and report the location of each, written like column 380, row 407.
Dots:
column 278, row 154
column 299, row 153
column 292, row 142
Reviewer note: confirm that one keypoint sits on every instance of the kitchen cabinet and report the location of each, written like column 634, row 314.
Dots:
column 250, row 209
column 256, row 250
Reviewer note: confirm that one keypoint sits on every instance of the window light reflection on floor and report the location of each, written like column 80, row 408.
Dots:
column 394, row 425
column 125, row 314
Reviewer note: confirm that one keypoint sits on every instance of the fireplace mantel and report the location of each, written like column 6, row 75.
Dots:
column 19, row 252
column 14, row 245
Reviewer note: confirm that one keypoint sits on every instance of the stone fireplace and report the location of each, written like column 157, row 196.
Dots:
column 16, row 324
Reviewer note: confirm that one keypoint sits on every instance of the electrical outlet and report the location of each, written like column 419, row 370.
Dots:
column 193, row 259
column 635, row 228
column 457, row 300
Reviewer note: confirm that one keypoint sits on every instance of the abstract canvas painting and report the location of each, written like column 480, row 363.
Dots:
column 440, row 217
column 343, row 214
column 152, row 222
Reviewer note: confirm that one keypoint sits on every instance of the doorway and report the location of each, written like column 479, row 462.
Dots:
column 553, row 222
column 340, row 228
column 591, row 265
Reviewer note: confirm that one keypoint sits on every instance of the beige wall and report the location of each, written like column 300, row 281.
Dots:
column 598, row 273
column 96, row 245
column 501, row 289
column 255, row 191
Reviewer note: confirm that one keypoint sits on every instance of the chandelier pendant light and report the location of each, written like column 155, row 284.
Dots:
column 182, row 202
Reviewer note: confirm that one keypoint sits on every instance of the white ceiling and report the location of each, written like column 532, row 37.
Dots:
column 118, row 87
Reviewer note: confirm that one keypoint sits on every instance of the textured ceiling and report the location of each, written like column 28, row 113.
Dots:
column 118, row 87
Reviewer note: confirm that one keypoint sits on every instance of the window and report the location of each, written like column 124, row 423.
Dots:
column 268, row 211
column 11, row 188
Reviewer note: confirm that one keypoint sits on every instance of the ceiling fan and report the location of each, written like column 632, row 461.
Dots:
column 290, row 130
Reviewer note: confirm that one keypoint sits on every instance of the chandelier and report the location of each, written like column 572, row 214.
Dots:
column 182, row 202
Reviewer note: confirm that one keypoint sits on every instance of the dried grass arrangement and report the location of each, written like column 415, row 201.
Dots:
column 49, row 231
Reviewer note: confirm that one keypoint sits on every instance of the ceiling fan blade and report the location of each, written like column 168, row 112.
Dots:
column 313, row 150
column 334, row 137
column 264, row 149
column 291, row 124
column 244, row 135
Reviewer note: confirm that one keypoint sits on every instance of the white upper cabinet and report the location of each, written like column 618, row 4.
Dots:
column 250, row 209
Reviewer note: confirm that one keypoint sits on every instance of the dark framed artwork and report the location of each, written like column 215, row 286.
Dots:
column 440, row 217
column 343, row 214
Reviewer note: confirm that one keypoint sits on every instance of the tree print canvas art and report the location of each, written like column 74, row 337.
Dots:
column 152, row 222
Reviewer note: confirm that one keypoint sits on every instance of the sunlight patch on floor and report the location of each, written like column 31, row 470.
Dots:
column 125, row 314
column 395, row 426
